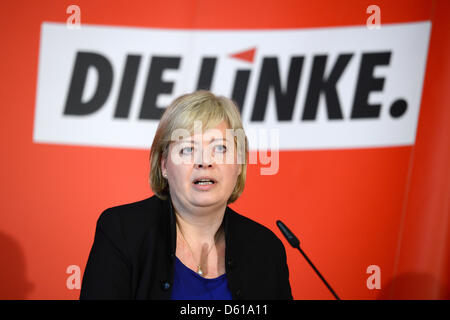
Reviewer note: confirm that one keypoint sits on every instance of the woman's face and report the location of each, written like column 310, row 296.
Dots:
column 202, row 169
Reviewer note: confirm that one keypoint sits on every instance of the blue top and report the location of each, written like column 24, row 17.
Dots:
column 188, row 285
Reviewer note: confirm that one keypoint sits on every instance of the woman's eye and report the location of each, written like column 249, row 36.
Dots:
column 187, row 150
column 220, row 148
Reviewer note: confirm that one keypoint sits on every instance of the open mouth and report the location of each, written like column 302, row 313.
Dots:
column 204, row 181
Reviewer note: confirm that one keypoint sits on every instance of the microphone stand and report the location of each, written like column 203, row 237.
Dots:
column 295, row 243
column 318, row 273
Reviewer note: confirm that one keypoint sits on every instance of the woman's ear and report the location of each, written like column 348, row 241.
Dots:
column 163, row 167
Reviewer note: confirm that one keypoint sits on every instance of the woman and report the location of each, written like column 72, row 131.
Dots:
column 185, row 242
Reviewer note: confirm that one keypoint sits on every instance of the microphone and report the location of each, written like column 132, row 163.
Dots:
column 295, row 243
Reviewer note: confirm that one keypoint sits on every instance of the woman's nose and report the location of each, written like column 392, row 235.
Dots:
column 203, row 158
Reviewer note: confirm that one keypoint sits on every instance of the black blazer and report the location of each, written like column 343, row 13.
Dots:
column 133, row 254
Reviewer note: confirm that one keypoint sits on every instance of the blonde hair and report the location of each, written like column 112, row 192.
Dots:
column 211, row 110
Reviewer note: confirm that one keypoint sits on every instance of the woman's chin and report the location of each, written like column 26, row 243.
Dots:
column 207, row 201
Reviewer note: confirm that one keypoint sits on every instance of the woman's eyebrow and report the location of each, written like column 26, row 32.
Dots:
column 195, row 142
column 217, row 139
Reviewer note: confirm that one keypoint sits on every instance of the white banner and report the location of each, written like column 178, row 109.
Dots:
column 346, row 87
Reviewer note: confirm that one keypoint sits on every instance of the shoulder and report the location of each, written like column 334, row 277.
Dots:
column 250, row 232
column 137, row 208
column 132, row 217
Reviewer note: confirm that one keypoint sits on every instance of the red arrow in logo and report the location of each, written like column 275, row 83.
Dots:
column 247, row 55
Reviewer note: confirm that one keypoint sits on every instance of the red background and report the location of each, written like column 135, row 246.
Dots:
column 351, row 208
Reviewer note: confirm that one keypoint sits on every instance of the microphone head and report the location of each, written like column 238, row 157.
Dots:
column 290, row 237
